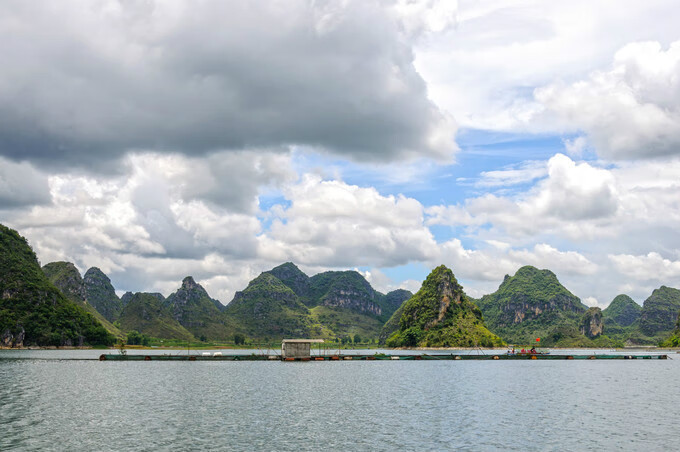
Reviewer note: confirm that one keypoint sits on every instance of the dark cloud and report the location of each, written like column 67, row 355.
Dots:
column 22, row 185
column 86, row 82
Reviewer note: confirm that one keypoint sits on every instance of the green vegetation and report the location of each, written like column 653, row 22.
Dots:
column 566, row 335
column 392, row 301
column 622, row 310
column 32, row 310
column 146, row 314
column 343, row 322
column 441, row 315
column 622, row 321
column 48, row 308
column 531, row 304
column 346, row 289
column 392, row 325
column 193, row 308
column 269, row 308
column 660, row 312
column 101, row 294
column 674, row 339
column 66, row 277
column 137, row 338
column 340, row 303
column 290, row 275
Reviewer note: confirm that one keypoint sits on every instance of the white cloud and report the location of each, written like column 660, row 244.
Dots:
column 576, row 146
column 576, row 191
column 631, row 110
column 594, row 303
column 336, row 224
column 576, row 199
column 370, row 81
column 426, row 16
column 484, row 71
column 649, row 267
column 594, row 226
column 564, row 262
column 524, row 173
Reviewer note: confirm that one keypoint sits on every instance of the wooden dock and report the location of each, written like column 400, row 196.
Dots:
column 376, row 357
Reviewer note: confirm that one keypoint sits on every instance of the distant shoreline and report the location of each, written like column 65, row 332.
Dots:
column 229, row 347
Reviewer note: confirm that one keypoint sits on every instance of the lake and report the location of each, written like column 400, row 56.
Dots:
column 52, row 402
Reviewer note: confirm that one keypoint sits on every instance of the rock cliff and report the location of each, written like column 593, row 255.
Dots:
column 592, row 325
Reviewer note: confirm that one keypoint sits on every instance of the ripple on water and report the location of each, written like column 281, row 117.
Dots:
column 377, row 406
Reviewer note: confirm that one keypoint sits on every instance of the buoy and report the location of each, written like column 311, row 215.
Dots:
column 102, row 358
column 591, row 357
column 570, row 357
column 147, row 358
column 534, row 357
column 457, row 357
column 496, row 357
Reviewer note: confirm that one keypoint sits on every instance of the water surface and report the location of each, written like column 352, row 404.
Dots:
column 52, row 403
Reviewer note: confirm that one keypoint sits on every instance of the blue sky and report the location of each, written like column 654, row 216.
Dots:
column 157, row 140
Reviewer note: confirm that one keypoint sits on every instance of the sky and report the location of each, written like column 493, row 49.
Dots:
column 218, row 139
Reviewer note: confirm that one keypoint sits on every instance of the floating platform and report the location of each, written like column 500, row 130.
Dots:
column 377, row 357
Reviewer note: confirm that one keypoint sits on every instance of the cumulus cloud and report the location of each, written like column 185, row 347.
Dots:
column 485, row 70
column 84, row 83
column 492, row 263
column 605, row 230
column 576, row 191
column 630, row 111
column 159, row 221
column 545, row 256
column 336, row 224
column 649, row 267
column 574, row 198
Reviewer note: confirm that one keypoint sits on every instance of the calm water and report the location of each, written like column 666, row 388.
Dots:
column 52, row 404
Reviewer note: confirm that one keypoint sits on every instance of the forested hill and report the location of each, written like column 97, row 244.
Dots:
column 533, row 303
column 32, row 310
column 441, row 315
